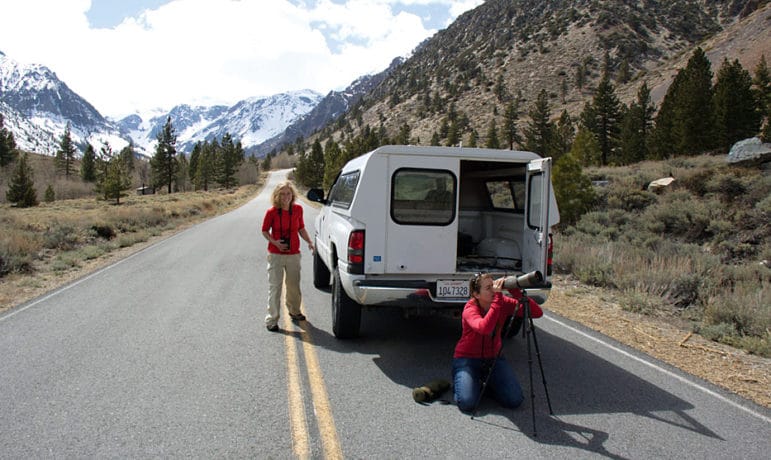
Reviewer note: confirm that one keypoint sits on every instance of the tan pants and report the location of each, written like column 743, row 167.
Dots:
column 283, row 270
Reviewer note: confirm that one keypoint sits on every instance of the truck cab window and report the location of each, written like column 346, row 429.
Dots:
column 343, row 190
column 506, row 194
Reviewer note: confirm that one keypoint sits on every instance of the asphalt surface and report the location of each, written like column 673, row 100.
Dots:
column 165, row 354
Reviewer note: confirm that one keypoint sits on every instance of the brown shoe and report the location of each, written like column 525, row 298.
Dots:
column 297, row 317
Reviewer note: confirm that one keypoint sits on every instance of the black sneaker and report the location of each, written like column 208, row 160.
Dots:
column 273, row 328
column 297, row 317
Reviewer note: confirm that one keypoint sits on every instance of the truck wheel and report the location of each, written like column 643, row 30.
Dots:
column 346, row 313
column 320, row 272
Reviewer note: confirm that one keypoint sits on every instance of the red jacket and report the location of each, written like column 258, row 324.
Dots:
column 279, row 223
column 481, row 336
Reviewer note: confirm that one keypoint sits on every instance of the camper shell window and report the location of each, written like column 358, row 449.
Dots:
column 535, row 201
column 423, row 196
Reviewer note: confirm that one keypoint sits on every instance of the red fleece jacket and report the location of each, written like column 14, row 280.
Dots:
column 481, row 336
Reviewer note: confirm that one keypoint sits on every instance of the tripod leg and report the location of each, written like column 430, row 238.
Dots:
column 484, row 383
column 540, row 365
column 528, row 325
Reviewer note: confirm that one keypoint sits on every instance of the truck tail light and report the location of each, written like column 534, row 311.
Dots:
column 356, row 252
column 549, row 254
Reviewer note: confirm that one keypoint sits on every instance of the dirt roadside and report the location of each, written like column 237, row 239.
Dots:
column 739, row 372
column 746, row 375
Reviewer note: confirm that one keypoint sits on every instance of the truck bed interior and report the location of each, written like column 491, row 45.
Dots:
column 491, row 213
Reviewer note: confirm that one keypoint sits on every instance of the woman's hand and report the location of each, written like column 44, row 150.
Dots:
column 498, row 284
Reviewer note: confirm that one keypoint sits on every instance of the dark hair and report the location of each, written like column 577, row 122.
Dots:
column 475, row 283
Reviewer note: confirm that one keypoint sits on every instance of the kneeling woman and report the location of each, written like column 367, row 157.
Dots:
column 483, row 319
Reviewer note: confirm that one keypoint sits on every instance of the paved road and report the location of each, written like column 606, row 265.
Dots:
column 165, row 355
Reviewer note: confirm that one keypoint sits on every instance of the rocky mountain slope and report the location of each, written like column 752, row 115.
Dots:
column 508, row 49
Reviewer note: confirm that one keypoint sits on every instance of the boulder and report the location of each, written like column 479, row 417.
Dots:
column 659, row 184
column 749, row 152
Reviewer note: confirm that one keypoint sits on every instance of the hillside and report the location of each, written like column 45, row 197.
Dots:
column 507, row 49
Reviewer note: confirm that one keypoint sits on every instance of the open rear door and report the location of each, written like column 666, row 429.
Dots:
column 540, row 205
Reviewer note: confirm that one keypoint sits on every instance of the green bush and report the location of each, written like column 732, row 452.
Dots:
column 693, row 251
column 60, row 236
column 630, row 199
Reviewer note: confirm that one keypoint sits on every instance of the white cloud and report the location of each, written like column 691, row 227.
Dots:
column 207, row 52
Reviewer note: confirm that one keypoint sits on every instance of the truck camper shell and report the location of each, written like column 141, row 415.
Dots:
column 407, row 226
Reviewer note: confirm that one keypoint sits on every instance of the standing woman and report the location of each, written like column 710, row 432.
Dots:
column 283, row 226
column 483, row 318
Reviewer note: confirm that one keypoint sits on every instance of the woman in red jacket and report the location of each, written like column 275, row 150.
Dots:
column 483, row 319
column 283, row 226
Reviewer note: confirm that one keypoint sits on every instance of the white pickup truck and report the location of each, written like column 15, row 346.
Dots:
column 407, row 226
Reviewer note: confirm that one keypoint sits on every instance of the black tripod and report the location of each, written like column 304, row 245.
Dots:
column 528, row 331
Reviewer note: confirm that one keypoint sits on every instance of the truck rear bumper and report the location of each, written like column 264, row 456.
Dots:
column 419, row 294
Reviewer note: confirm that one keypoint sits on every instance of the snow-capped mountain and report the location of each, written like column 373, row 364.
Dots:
column 37, row 106
column 328, row 109
column 251, row 121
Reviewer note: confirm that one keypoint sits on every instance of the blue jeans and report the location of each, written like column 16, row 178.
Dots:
column 468, row 374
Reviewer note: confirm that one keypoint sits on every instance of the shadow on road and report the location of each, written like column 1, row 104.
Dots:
column 413, row 351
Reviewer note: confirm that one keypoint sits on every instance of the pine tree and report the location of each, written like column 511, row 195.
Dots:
column 21, row 190
column 762, row 85
column 128, row 157
column 435, row 139
column 115, row 180
column 492, row 141
column 510, row 119
column 572, row 189
column 88, row 164
column 663, row 138
column 333, row 162
column 49, row 196
column 7, row 145
column 585, row 148
column 65, row 156
column 694, row 109
column 636, row 128
column 403, row 137
column 317, row 163
column 164, row 162
column 230, row 160
column 607, row 123
column 265, row 165
column 473, row 138
column 538, row 132
column 205, row 170
column 193, row 163
column 736, row 113
column 623, row 72
column 182, row 180
column 580, row 76
column 563, row 134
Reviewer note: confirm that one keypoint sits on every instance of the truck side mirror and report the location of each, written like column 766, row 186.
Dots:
column 317, row 195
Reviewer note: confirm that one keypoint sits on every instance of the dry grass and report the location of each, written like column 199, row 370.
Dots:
column 48, row 245
column 664, row 338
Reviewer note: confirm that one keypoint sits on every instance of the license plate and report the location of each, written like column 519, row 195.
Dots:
column 451, row 289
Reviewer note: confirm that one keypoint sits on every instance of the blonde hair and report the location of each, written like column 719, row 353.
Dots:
column 286, row 184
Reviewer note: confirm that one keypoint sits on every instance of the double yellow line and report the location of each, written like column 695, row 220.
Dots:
column 322, row 409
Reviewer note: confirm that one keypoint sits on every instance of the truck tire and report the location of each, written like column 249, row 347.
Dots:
column 346, row 313
column 320, row 272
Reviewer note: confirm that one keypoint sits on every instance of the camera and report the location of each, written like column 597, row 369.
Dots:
column 285, row 241
column 525, row 281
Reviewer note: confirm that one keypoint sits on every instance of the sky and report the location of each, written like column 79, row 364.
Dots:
column 137, row 56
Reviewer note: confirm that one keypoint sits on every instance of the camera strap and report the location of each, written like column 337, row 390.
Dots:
column 281, row 226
